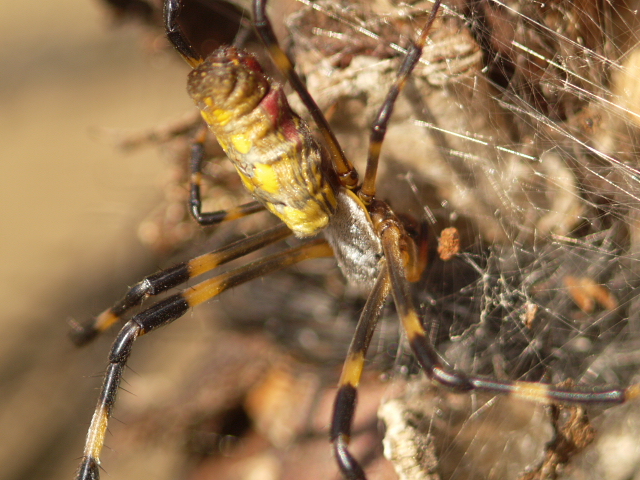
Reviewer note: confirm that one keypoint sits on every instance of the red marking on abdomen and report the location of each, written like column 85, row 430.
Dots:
column 277, row 108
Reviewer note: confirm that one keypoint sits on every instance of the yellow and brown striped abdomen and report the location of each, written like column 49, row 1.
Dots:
column 270, row 146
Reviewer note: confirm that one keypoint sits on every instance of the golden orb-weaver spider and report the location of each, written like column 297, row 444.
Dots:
column 313, row 191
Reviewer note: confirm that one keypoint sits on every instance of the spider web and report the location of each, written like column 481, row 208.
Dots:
column 519, row 128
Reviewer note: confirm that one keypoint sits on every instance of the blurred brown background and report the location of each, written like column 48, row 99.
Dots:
column 71, row 203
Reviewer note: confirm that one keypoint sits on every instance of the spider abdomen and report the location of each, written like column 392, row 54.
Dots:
column 271, row 147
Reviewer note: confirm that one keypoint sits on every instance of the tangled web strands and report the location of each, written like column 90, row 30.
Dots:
column 523, row 118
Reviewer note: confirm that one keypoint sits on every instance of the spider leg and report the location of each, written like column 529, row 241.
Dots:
column 164, row 313
column 391, row 235
column 379, row 128
column 345, row 402
column 211, row 218
column 175, row 34
column 346, row 172
column 172, row 277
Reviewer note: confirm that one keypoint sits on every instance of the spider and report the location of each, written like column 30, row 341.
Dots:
column 314, row 190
